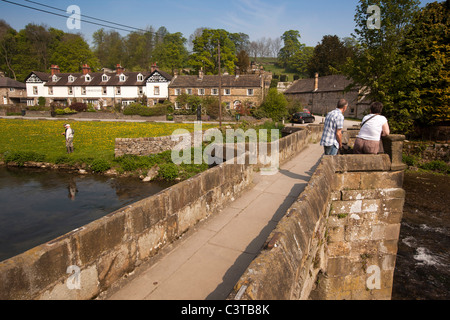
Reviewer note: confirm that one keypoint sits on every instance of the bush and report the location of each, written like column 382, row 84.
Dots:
column 21, row 157
column 100, row 165
column 140, row 110
column 168, row 171
column 79, row 107
column 436, row 165
column 133, row 162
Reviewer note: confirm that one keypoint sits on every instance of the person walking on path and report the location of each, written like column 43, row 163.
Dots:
column 332, row 131
column 69, row 138
column 373, row 127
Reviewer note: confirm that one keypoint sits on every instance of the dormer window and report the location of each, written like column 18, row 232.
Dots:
column 104, row 78
column 122, row 78
column 140, row 78
column 71, row 78
column 87, row 78
column 55, row 78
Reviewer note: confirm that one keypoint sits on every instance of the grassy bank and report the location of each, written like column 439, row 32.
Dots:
column 42, row 141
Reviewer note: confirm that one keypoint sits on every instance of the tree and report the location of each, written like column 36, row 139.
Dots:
column 7, row 48
column 171, row 53
column 206, row 51
column 424, row 60
column 275, row 105
column 292, row 45
column 329, row 56
column 301, row 60
column 109, row 48
column 243, row 61
column 72, row 52
column 375, row 65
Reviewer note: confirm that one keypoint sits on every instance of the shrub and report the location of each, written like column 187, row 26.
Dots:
column 100, row 165
column 78, row 106
column 140, row 110
column 168, row 171
column 21, row 157
column 436, row 165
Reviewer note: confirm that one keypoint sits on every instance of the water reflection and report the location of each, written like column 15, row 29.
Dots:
column 38, row 206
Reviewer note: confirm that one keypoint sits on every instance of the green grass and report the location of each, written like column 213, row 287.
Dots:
column 40, row 140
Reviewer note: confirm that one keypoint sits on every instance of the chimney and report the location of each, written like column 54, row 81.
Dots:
column 55, row 69
column 200, row 74
column 119, row 69
column 316, row 82
column 154, row 67
column 86, row 69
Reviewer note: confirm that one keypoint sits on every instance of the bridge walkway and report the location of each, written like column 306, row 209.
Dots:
column 207, row 262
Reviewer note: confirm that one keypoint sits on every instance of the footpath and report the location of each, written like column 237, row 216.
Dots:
column 206, row 263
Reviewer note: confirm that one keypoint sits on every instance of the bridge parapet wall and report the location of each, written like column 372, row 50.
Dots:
column 339, row 239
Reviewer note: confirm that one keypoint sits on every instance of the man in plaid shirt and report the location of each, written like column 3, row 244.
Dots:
column 332, row 131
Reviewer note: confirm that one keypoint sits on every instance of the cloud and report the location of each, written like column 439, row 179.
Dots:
column 254, row 17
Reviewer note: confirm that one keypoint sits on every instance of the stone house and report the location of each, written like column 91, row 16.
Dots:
column 11, row 91
column 100, row 89
column 235, row 89
column 321, row 94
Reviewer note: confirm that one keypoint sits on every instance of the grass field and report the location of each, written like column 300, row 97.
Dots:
column 41, row 140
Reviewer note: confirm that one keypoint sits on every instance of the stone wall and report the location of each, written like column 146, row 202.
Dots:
column 109, row 248
column 338, row 240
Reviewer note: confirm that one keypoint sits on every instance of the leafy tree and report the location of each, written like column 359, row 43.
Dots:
column 8, row 48
column 301, row 60
column 171, row 53
column 243, row 61
column 275, row 105
column 206, row 51
column 375, row 65
column 329, row 56
column 109, row 48
column 292, row 46
column 424, row 60
column 72, row 52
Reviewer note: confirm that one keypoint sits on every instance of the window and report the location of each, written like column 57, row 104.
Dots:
column 50, row 91
column 71, row 78
column 30, row 103
column 227, row 105
column 177, row 92
column 140, row 77
column 35, row 90
column 215, row 92
column 250, row 92
column 118, row 91
column 88, row 78
column 105, row 91
column 189, row 91
column 104, row 78
column 156, row 91
column 70, row 90
column 227, row 92
column 12, row 89
column 177, row 106
column 140, row 91
column 55, row 78
column 201, row 92
column 122, row 78
column 83, row 90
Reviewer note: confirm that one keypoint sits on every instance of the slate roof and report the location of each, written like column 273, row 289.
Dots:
column 96, row 78
column 212, row 81
column 326, row 84
column 6, row 82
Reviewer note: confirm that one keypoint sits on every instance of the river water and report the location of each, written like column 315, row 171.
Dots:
column 423, row 261
column 38, row 206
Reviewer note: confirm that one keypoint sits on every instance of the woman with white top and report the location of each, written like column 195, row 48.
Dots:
column 373, row 127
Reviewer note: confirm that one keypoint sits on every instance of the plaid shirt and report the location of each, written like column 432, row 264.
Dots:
column 333, row 122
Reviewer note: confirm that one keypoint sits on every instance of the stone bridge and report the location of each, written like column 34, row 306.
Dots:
column 336, row 237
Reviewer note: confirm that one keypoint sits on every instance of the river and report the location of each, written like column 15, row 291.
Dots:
column 37, row 206
column 423, row 261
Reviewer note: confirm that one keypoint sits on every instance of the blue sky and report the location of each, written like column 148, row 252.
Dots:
column 257, row 18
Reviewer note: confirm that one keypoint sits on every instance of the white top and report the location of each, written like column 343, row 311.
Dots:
column 372, row 129
column 69, row 133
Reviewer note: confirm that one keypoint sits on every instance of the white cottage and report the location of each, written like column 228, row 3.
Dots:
column 100, row 89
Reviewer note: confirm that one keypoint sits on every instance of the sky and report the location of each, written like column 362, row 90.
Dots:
column 256, row 18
